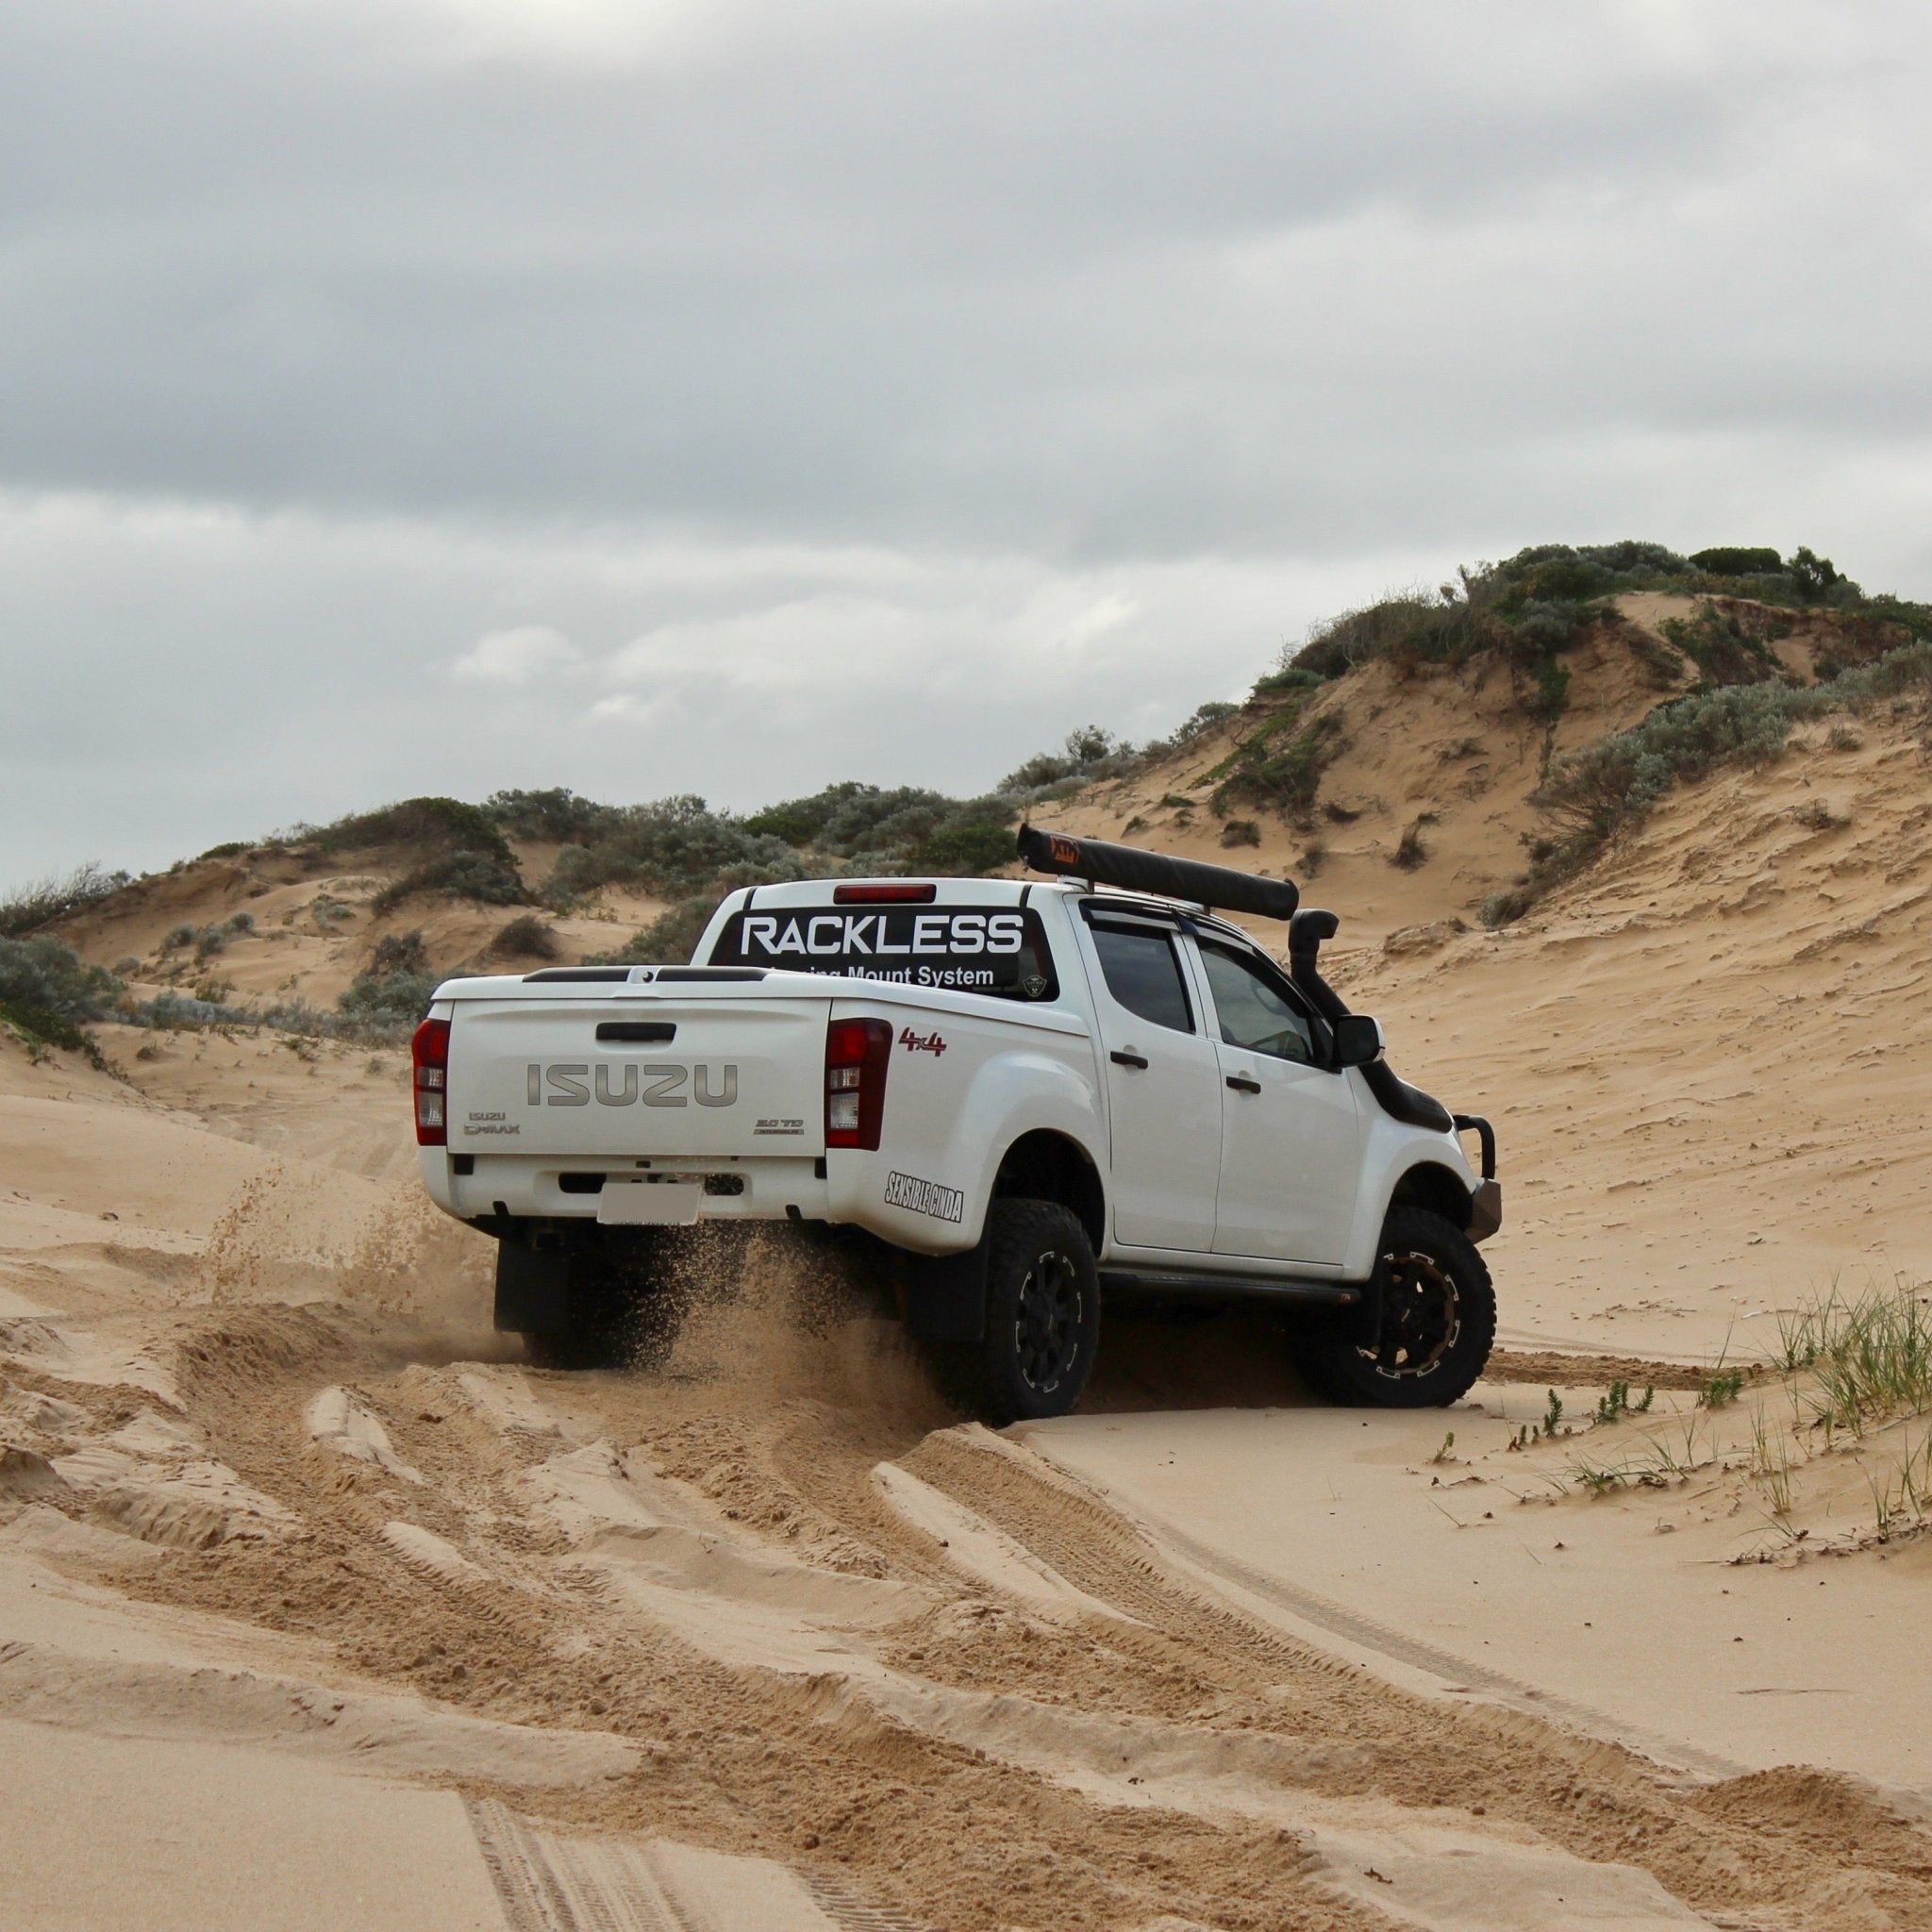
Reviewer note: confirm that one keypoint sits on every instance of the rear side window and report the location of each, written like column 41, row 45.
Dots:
column 1144, row 974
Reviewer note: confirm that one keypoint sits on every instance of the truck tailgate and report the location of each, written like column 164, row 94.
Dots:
column 631, row 1077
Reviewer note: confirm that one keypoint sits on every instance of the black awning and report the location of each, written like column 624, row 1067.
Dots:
column 1135, row 871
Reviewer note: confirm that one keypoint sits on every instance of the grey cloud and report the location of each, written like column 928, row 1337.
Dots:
column 955, row 272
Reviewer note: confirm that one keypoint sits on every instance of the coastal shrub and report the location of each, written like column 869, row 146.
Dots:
column 392, row 997
column 1281, row 772
column 1088, row 753
column 524, row 938
column 556, row 814
column 447, row 824
column 43, row 975
column 478, row 876
column 1738, row 560
column 58, row 897
column 673, row 847
column 1410, row 854
column 399, row 952
column 670, row 939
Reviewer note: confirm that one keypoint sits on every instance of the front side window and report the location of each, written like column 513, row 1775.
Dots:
column 1252, row 1011
column 1144, row 974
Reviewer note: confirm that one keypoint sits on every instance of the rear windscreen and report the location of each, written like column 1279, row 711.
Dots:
column 1000, row 950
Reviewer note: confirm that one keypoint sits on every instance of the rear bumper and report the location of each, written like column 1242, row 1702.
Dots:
column 1485, row 1210
column 525, row 1187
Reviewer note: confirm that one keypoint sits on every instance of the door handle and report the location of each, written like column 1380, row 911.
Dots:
column 1242, row 1084
column 1132, row 1059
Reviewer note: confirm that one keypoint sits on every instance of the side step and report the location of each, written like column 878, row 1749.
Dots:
column 1301, row 1290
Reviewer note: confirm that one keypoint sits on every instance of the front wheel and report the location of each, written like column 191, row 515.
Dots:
column 1043, row 1317
column 1430, row 1338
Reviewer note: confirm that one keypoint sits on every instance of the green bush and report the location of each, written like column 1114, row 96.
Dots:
column 976, row 839
column 673, row 847
column 670, row 939
column 1088, row 753
column 1718, row 644
column 1814, row 576
column 400, row 998
column 1738, row 560
column 399, row 952
column 1279, row 771
column 528, row 938
column 447, row 824
column 52, row 978
column 1289, row 678
column 39, row 1027
column 477, row 875
column 1185, row 736
column 55, row 898
column 558, row 814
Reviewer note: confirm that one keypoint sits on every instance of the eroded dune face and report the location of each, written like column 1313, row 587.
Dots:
column 765, row 1637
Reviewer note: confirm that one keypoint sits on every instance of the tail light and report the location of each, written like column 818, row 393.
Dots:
column 858, row 1053
column 429, row 1055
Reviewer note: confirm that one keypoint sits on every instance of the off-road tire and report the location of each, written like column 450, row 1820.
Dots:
column 619, row 1312
column 1043, row 1318
column 1438, row 1321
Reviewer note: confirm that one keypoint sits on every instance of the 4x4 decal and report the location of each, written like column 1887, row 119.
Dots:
column 922, row 1043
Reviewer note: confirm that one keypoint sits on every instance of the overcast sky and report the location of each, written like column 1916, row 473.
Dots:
column 736, row 395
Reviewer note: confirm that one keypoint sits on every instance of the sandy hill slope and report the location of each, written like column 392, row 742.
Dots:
column 1447, row 754
column 314, row 919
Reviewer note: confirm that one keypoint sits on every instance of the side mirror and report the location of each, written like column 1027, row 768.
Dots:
column 1358, row 1040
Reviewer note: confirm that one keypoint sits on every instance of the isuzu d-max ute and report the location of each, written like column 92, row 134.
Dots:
column 1017, row 1096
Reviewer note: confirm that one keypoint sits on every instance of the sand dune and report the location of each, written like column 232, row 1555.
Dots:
column 292, row 1547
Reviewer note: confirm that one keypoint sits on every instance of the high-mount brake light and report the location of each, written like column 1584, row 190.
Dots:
column 429, row 1056
column 858, row 1054
column 885, row 896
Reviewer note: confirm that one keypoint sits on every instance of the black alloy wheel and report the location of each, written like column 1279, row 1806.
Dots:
column 1425, row 1333
column 1043, row 1318
column 1421, row 1315
column 1047, row 1325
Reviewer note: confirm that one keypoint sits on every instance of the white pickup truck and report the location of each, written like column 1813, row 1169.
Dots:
column 1016, row 1095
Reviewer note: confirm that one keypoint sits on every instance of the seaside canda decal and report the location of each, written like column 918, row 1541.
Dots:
column 995, row 949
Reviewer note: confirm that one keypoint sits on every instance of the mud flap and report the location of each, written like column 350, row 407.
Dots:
column 946, row 1295
column 532, row 1288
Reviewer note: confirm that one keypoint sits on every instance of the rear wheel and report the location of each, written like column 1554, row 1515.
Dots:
column 1043, row 1317
column 613, row 1306
column 1428, row 1341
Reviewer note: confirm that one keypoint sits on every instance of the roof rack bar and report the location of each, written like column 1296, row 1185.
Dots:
column 1137, row 870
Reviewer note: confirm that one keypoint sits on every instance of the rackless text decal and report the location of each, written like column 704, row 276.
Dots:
column 995, row 949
